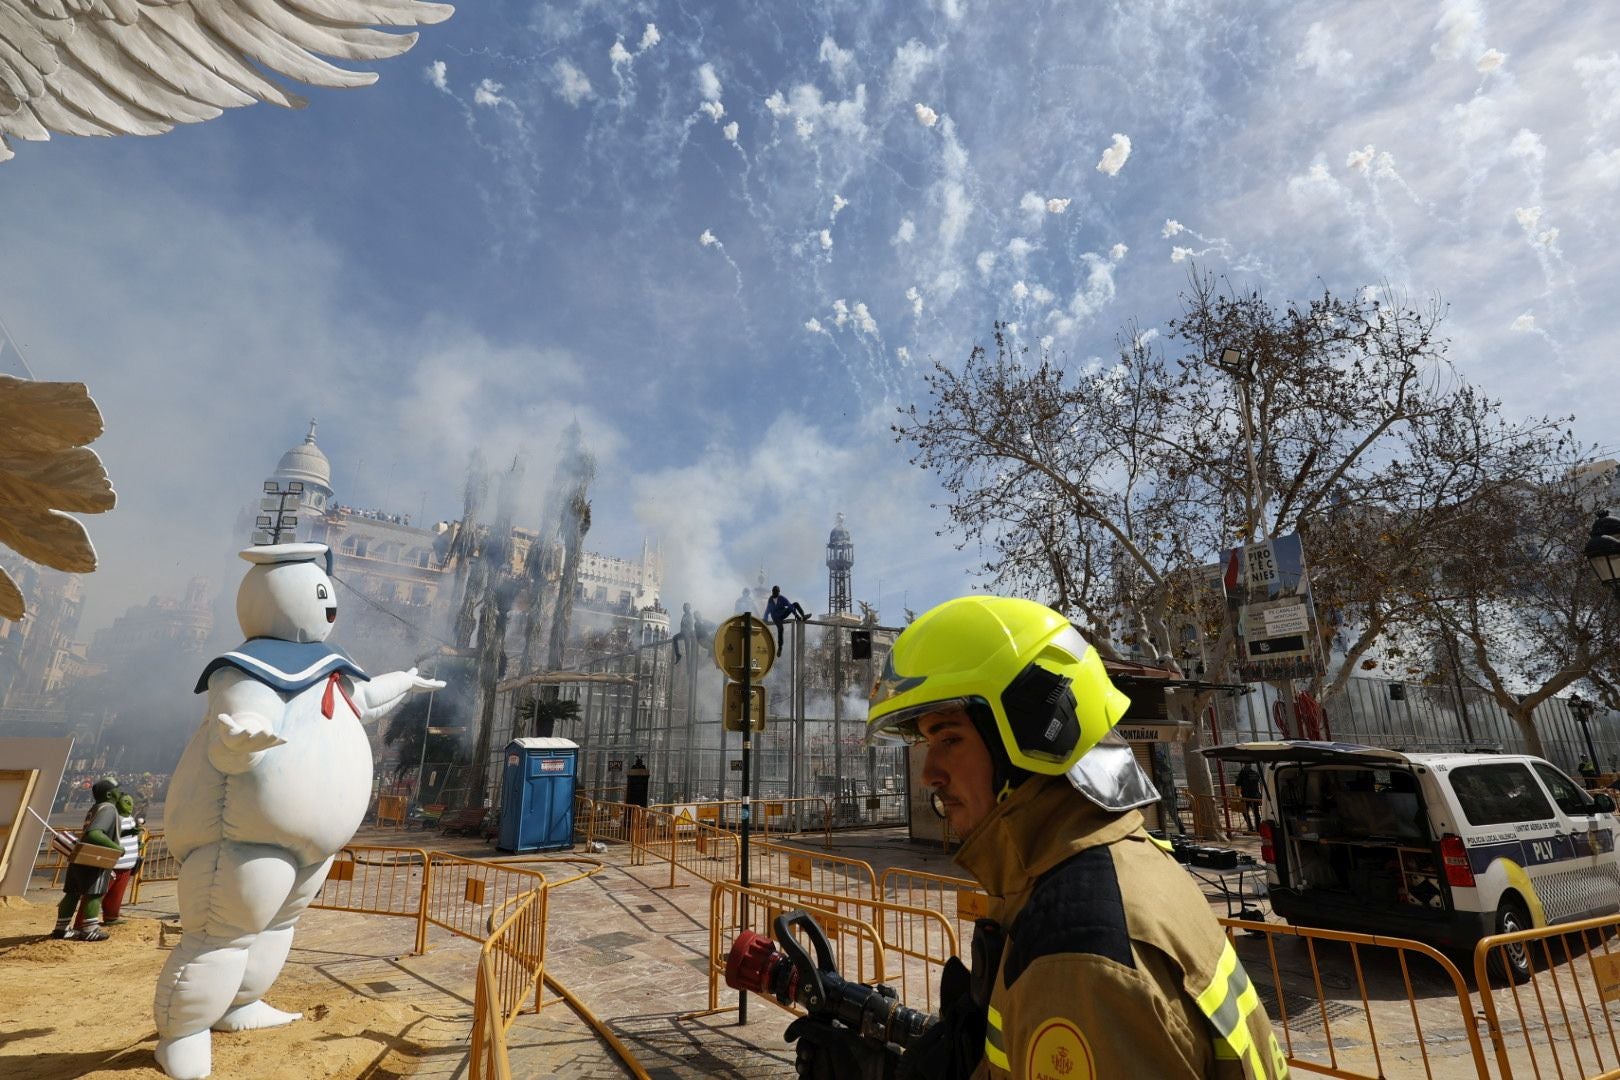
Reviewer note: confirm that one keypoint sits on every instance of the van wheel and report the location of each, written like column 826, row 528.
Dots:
column 1511, row 962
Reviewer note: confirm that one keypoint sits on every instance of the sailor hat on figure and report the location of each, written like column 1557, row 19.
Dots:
column 275, row 781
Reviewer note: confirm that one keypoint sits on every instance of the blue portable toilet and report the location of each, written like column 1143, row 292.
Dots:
column 537, row 795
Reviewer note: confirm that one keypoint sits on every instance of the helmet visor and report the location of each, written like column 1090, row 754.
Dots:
column 903, row 725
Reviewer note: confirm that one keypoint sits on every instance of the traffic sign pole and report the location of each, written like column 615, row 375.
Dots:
column 747, row 745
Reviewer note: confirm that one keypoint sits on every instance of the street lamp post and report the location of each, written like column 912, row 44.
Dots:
column 1581, row 709
column 1603, row 550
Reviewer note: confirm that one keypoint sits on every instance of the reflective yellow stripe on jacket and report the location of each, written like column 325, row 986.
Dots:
column 995, row 1043
column 1227, row 1001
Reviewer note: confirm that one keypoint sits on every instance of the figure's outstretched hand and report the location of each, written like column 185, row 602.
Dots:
column 247, row 734
column 419, row 683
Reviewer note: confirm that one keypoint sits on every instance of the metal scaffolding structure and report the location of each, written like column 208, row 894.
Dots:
column 645, row 703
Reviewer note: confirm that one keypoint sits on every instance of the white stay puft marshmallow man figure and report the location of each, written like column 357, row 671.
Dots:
column 272, row 785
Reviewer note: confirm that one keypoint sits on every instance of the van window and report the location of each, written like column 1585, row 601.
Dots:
column 1498, row 794
column 1570, row 799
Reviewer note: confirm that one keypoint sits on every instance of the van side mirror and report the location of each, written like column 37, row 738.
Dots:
column 1604, row 803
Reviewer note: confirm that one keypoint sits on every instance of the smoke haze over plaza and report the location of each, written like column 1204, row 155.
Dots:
column 729, row 243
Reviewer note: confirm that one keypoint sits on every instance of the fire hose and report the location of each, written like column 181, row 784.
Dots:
column 785, row 971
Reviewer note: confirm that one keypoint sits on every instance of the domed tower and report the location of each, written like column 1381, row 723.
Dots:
column 302, row 470
column 840, row 560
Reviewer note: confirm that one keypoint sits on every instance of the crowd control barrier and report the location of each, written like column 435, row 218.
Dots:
column 1328, row 1036
column 1562, row 1021
column 959, row 899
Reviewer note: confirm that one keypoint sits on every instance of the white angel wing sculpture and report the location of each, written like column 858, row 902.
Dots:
column 45, row 468
column 139, row 67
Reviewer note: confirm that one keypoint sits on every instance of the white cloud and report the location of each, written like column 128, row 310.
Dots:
column 1360, row 159
column 839, row 202
column 1181, row 254
column 1117, row 252
column 708, row 82
column 708, row 239
column 903, row 355
column 1524, row 323
column 713, row 109
column 916, row 300
column 488, row 94
column 839, row 60
column 1320, row 54
column 803, row 128
column 730, row 131
column 1114, row 158
column 956, row 211
column 572, row 84
column 925, row 116
column 814, row 326
column 1171, row 228
column 1528, row 146
column 438, row 75
column 1019, row 248
column 907, row 232
column 910, row 61
column 1459, row 26
column 1490, row 60
column 840, row 312
column 1528, row 216
column 864, row 321
column 777, row 105
column 1019, row 290
column 986, row 262
column 1604, row 167
column 811, row 111
column 649, row 37
column 826, row 239
column 1147, row 335
column 1057, row 206
column 1032, row 204
column 618, row 54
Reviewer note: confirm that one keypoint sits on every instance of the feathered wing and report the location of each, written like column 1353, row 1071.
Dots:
column 139, row 67
column 46, row 468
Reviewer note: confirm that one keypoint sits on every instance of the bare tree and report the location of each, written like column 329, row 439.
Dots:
column 1105, row 488
column 1521, row 601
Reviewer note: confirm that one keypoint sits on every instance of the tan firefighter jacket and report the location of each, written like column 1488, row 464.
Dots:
column 1114, row 965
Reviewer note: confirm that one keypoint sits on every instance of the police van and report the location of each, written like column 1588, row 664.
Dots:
column 1440, row 848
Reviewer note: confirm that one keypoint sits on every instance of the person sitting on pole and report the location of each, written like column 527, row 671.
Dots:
column 778, row 608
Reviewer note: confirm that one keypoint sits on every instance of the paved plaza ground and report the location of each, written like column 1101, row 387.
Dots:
column 634, row 951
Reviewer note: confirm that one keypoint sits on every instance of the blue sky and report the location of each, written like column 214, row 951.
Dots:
column 730, row 243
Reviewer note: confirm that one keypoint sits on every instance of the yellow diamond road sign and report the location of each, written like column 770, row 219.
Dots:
column 732, row 644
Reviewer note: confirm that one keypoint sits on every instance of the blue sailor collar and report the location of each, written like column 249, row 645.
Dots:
column 287, row 666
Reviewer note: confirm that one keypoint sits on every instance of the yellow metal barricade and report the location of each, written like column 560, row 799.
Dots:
column 511, row 965
column 372, row 880
column 916, row 941
column 158, row 864
column 584, row 816
column 799, row 868
column 959, row 899
column 1563, row 1020
column 463, row 893
column 391, row 810
column 802, row 813
column 1333, row 1037
column 857, row 946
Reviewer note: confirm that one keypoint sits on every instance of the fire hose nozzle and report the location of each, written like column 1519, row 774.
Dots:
column 750, row 963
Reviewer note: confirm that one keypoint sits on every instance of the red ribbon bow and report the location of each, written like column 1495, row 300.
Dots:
column 336, row 679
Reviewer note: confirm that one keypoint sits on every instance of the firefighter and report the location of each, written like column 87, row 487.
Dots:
column 1100, row 956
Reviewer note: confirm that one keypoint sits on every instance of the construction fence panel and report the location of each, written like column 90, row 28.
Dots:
column 584, row 816
column 857, row 946
column 1413, row 1002
column 1562, row 1021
